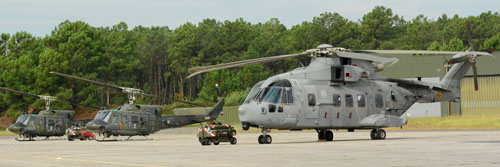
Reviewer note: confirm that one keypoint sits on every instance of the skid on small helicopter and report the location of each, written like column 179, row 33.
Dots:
column 46, row 123
column 139, row 119
column 339, row 89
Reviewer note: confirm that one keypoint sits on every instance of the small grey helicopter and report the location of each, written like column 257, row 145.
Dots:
column 46, row 123
column 339, row 89
column 139, row 119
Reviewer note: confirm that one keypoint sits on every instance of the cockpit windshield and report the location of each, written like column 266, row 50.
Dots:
column 23, row 119
column 252, row 94
column 103, row 115
column 278, row 92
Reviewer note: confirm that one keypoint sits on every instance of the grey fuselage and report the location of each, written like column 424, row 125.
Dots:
column 333, row 93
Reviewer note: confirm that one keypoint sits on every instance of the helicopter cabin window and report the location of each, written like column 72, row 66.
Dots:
column 379, row 101
column 124, row 119
column 349, row 101
column 393, row 96
column 135, row 119
column 50, row 122
column 40, row 122
column 361, row 100
column 336, row 100
column 311, row 99
column 115, row 118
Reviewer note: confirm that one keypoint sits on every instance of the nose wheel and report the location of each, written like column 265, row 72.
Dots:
column 265, row 138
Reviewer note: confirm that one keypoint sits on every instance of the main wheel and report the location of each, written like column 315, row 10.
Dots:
column 268, row 139
column 329, row 135
column 233, row 140
column 321, row 135
column 70, row 138
column 381, row 134
column 373, row 134
column 261, row 139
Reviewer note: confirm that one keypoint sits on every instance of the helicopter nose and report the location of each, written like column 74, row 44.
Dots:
column 16, row 128
column 242, row 110
column 95, row 125
column 246, row 112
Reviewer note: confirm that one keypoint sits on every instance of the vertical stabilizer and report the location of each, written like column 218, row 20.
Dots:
column 451, row 80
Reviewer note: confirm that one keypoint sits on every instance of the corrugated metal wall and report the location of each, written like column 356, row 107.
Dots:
column 230, row 115
column 485, row 101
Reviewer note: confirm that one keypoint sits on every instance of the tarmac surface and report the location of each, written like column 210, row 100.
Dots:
column 180, row 147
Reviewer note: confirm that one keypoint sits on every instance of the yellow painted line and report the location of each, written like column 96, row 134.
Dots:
column 101, row 162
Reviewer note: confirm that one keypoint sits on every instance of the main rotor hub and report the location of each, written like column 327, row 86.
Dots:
column 47, row 99
column 132, row 92
column 326, row 50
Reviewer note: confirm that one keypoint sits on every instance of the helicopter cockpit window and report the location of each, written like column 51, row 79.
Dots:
column 107, row 116
column 311, row 99
column 348, row 101
column 253, row 93
column 336, row 100
column 361, row 100
column 379, row 101
column 287, row 96
column 23, row 119
column 273, row 95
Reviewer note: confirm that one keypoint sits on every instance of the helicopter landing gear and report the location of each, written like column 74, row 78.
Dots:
column 325, row 135
column 265, row 138
column 378, row 134
column 30, row 137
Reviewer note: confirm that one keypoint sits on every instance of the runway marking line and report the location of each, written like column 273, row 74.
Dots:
column 102, row 162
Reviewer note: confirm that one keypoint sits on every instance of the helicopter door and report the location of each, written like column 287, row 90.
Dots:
column 50, row 125
column 312, row 110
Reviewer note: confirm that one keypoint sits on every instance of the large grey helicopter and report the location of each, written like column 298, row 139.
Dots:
column 339, row 89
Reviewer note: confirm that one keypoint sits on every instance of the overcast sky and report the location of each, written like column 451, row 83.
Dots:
column 39, row 17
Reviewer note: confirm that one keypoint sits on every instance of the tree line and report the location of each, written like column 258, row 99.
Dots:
column 155, row 59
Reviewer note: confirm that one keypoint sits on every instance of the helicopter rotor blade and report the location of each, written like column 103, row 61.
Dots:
column 199, row 70
column 78, row 104
column 423, row 52
column 469, row 36
column 44, row 97
column 474, row 72
column 86, row 80
column 19, row 92
column 194, row 104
